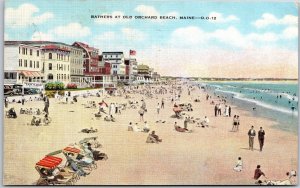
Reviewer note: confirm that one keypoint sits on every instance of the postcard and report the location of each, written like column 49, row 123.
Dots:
column 150, row 92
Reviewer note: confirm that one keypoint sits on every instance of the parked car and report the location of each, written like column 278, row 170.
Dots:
column 30, row 91
column 12, row 89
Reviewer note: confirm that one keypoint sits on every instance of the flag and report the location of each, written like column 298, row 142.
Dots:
column 132, row 52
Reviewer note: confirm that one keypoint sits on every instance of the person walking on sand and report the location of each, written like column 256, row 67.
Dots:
column 251, row 134
column 229, row 111
column 216, row 110
column 23, row 99
column 158, row 108
column 6, row 102
column 141, row 112
column 47, row 104
column 162, row 103
column 219, row 109
column 185, row 123
column 234, row 127
column 238, row 122
column 261, row 138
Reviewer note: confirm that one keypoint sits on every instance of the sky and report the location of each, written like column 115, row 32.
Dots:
column 249, row 39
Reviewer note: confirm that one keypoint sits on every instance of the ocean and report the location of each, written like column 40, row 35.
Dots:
column 274, row 100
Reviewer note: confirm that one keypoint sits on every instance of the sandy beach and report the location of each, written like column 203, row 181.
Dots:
column 204, row 157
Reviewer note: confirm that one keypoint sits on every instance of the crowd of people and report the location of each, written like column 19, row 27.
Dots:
column 168, row 95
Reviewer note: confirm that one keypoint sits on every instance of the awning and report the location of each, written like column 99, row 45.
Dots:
column 36, row 74
column 31, row 73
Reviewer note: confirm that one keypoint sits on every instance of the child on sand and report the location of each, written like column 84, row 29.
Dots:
column 239, row 165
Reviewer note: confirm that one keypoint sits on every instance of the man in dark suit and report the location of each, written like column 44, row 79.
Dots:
column 251, row 134
column 216, row 110
column 261, row 138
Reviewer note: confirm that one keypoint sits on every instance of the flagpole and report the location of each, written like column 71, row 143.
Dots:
column 129, row 67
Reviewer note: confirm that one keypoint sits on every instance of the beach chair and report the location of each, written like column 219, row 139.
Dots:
column 49, row 163
column 77, row 152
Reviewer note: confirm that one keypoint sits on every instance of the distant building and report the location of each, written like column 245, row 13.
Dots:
column 131, row 69
column 143, row 75
column 22, row 63
column 76, row 67
column 155, row 76
column 56, row 63
column 143, row 70
column 105, row 67
column 90, row 58
column 43, row 61
column 116, row 60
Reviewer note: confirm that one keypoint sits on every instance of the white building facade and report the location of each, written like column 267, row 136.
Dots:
column 116, row 59
column 22, row 63
column 56, row 63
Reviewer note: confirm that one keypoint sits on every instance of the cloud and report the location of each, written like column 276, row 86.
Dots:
column 69, row 31
column 146, row 10
column 106, row 36
column 72, row 30
column 40, row 36
column 188, row 36
column 111, row 18
column 125, row 38
column 24, row 15
column 221, row 19
column 195, row 36
column 290, row 32
column 269, row 19
column 133, row 34
column 230, row 36
column 264, row 37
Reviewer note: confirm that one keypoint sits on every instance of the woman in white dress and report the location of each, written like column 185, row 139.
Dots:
column 226, row 111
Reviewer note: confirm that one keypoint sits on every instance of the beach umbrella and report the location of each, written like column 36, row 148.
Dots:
column 103, row 104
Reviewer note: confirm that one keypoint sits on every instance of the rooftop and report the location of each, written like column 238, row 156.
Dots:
column 37, row 43
column 112, row 52
column 54, row 47
column 85, row 46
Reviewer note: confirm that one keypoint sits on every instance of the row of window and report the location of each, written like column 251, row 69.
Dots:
column 76, row 61
column 24, row 51
column 76, row 52
column 32, row 64
column 62, row 77
column 59, row 57
column 59, row 67
column 110, row 56
column 76, row 71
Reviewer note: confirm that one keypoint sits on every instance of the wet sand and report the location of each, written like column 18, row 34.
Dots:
column 205, row 157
